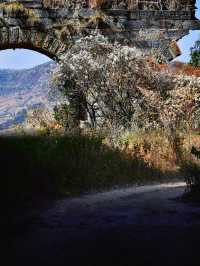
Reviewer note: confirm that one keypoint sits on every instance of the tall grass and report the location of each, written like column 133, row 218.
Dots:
column 154, row 147
column 77, row 163
column 66, row 165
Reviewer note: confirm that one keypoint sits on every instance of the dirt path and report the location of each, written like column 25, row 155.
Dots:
column 134, row 226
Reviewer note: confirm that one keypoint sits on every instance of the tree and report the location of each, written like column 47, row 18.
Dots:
column 121, row 90
column 195, row 54
column 107, row 79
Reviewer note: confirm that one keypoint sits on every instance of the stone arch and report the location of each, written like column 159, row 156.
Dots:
column 43, row 25
column 45, row 43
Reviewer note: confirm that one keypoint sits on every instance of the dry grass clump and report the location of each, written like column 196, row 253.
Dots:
column 157, row 151
column 153, row 147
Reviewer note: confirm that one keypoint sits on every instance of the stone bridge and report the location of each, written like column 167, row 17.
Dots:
column 52, row 26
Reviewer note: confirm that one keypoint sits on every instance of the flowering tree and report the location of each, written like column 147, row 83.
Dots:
column 109, row 80
column 120, row 89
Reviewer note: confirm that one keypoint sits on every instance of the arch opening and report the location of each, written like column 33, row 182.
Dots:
column 24, row 86
column 28, row 47
column 22, row 59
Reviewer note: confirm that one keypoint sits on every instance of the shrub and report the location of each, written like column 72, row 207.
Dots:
column 153, row 146
column 195, row 54
column 191, row 169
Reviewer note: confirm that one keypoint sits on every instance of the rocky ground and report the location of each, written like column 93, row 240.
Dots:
column 147, row 225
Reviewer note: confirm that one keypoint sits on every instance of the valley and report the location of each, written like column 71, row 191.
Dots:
column 23, row 90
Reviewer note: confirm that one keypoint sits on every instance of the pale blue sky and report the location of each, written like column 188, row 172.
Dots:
column 22, row 58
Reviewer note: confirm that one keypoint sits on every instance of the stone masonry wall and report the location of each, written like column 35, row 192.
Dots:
column 51, row 26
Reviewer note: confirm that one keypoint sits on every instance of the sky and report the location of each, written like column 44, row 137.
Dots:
column 23, row 58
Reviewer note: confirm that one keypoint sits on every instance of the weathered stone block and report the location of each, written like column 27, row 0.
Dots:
column 53, row 4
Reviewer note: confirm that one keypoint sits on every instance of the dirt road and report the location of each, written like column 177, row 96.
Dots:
column 134, row 226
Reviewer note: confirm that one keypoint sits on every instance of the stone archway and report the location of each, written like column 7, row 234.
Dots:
column 51, row 26
column 16, row 37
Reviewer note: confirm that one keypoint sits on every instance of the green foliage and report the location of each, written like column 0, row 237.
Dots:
column 195, row 152
column 192, row 171
column 63, row 115
column 195, row 54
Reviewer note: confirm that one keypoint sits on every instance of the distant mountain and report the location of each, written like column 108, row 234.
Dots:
column 22, row 90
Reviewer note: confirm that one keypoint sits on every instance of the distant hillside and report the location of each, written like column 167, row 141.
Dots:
column 21, row 90
column 13, row 81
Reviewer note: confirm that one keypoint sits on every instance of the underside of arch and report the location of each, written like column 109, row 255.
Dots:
column 45, row 43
